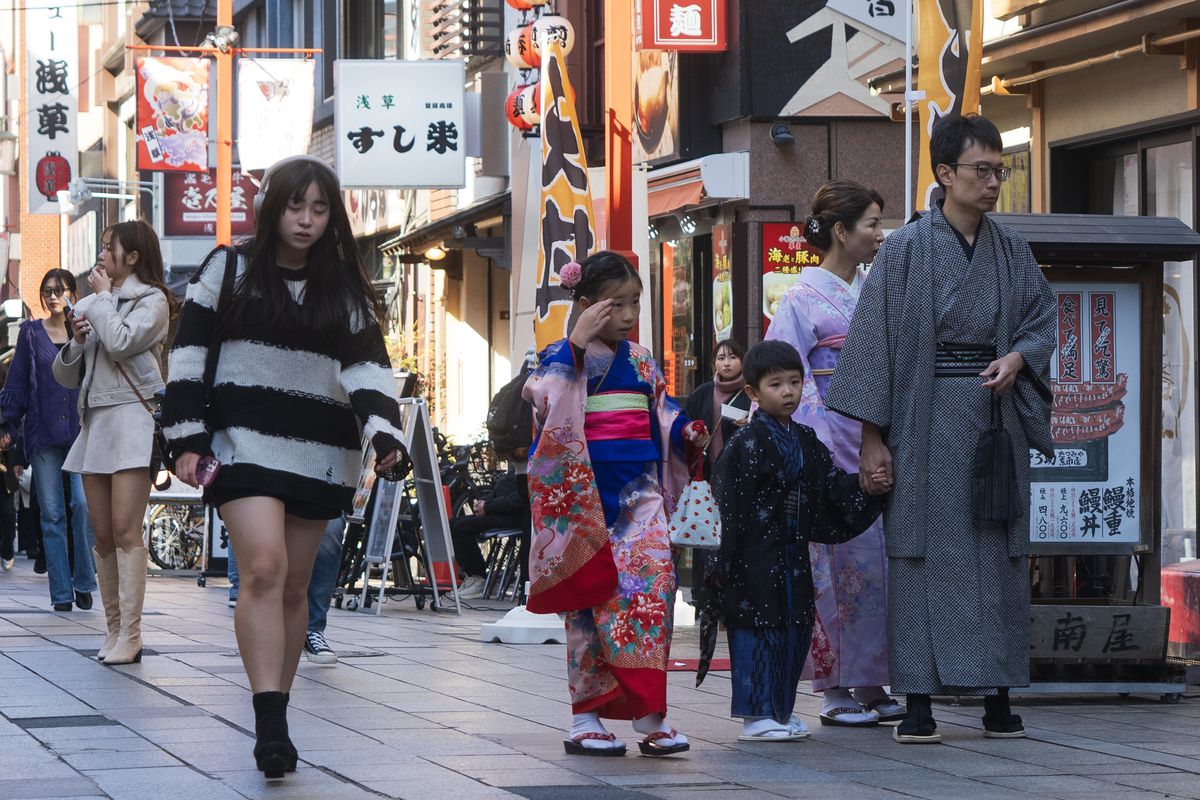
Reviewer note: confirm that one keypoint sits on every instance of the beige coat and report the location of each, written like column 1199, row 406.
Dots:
column 129, row 326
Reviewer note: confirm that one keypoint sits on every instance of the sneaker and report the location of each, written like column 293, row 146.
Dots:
column 471, row 588
column 318, row 650
column 6, row 564
column 232, row 602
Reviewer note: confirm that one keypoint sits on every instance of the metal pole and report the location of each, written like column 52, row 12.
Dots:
column 224, row 60
column 908, row 110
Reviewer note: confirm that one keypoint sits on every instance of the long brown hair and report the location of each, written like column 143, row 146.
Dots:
column 136, row 236
column 338, row 286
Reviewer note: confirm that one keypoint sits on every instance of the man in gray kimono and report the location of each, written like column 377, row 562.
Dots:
column 956, row 323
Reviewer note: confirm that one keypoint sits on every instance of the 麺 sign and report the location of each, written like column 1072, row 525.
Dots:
column 190, row 204
column 52, row 42
column 399, row 124
column 696, row 26
column 1090, row 493
column 785, row 252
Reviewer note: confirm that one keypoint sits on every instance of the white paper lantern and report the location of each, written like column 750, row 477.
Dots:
column 519, row 48
column 554, row 26
column 529, row 103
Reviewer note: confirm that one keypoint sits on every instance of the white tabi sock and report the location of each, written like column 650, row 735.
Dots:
column 590, row 723
column 652, row 723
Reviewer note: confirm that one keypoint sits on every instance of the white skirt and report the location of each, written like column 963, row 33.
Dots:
column 112, row 438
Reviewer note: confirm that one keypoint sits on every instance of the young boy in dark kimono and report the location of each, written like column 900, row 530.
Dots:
column 778, row 489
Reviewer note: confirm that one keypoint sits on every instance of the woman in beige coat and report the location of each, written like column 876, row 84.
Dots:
column 112, row 359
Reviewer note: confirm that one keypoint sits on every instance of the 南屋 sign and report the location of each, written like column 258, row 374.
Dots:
column 690, row 26
column 1091, row 492
column 52, row 44
column 399, row 124
column 785, row 252
column 189, row 203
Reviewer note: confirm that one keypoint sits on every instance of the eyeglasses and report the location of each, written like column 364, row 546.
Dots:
column 50, row 292
column 985, row 171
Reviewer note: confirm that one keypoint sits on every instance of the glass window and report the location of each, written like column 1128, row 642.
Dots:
column 1014, row 193
column 679, row 340
column 1115, row 185
column 1170, row 184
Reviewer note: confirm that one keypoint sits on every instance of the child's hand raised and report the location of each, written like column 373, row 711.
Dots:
column 591, row 323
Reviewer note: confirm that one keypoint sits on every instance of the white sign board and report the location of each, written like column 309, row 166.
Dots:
column 400, row 124
column 1091, row 493
column 52, row 79
column 275, row 110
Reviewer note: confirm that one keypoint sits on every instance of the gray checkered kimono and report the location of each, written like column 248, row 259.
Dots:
column 958, row 595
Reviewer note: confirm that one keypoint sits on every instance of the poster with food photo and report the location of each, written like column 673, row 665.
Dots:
column 1090, row 492
column 722, row 287
column 655, row 100
column 784, row 253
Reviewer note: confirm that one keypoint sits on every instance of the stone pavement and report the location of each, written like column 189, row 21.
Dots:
column 418, row 708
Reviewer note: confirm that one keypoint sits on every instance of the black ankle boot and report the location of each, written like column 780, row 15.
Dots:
column 293, row 755
column 998, row 720
column 271, row 752
column 918, row 725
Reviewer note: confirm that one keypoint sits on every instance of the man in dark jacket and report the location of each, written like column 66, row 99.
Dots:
column 505, row 510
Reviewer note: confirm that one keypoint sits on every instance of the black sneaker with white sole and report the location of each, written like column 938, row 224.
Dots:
column 317, row 650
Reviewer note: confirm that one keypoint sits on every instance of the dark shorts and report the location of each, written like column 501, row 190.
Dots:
column 304, row 509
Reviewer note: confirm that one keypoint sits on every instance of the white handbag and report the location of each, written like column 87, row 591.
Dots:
column 697, row 520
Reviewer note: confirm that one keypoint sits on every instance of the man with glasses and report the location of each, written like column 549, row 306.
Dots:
column 954, row 329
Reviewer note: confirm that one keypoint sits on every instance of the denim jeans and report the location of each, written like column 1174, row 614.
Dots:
column 324, row 575
column 47, row 465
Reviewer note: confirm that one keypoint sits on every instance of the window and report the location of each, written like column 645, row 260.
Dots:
column 341, row 29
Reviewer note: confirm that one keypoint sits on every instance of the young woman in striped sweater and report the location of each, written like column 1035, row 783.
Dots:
column 302, row 372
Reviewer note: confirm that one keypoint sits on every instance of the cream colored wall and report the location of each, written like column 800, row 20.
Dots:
column 1124, row 92
column 468, row 353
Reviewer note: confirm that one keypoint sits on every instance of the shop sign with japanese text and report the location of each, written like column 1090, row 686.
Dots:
column 1090, row 492
column 690, row 26
column 190, row 204
column 399, row 124
column 52, row 44
column 172, row 114
column 784, row 253
column 722, row 285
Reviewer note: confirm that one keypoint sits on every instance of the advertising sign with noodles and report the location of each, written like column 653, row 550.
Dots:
column 172, row 114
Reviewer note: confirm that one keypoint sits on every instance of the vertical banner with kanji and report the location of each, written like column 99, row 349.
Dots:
column 785, row 252
column 172, row 114
column 567, row 230
column 399, row 124
column 950, row 52
column 722, row 286
column 275, row 110
column 52, row 73
column 1091, row 491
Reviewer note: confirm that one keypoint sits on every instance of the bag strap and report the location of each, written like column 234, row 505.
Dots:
column 226, row 294
column 145, row 403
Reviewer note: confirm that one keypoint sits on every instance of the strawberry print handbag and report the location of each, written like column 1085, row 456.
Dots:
column 697, row 520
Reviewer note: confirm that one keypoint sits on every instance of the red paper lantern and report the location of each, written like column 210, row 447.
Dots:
column 513, row 108
column 533, row 48
column 520, row 5
column 530, row 102
column 52, row 174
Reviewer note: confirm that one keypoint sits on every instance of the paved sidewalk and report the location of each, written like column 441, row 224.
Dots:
column 418, row 708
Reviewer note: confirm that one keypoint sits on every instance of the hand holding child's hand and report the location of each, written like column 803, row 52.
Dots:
column 879, row 482
column 591, row 323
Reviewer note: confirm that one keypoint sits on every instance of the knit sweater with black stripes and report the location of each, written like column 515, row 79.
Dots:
column 288, row 408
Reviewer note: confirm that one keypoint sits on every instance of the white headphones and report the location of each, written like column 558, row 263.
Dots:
column 262, row 186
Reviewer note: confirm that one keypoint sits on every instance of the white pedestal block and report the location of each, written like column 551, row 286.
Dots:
column 521, row 626
column 685, row 615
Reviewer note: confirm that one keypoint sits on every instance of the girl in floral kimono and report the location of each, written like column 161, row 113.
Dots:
column 606, row 470
column 849, row 658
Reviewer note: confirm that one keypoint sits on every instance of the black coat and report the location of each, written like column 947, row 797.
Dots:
column 700, row 406
column 751, row 493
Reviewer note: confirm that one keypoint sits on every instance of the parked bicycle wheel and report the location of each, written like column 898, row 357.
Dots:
column 175, row 536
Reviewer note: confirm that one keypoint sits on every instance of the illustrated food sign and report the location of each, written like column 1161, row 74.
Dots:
column 190, row 204
column 400, row 124
column 1091, row 490
column 784, row 253
column 172, row 114
column 722, row 299
column 52, row 81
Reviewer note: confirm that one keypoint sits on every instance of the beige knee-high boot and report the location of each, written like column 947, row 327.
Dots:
column 131, row 570
column 106, row 578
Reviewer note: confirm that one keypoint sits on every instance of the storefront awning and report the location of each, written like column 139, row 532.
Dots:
column 434, row 232
column 722, row 176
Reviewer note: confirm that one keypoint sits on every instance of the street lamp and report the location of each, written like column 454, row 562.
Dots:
column 79, row 191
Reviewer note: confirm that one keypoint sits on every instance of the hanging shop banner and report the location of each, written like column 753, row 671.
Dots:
column 722, row 286
column 655, row 98
column 689, row 26
column 189, row 204
column 1090, row 492
column 568, row 231
column 399, row 124
column 950, row 50
column 52, row 44
column 784, row 253
column 275, row 110
column 172, row 114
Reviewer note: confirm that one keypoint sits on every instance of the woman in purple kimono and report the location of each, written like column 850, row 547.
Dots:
column 848, row 657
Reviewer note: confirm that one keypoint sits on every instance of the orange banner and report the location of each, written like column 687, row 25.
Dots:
column 568, row 232
column 949, row 52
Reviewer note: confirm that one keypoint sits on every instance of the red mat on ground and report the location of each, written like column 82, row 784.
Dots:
column 692, row 664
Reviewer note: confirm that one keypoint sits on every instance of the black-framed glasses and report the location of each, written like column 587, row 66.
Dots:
column 50, row 291
column 985, row 171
